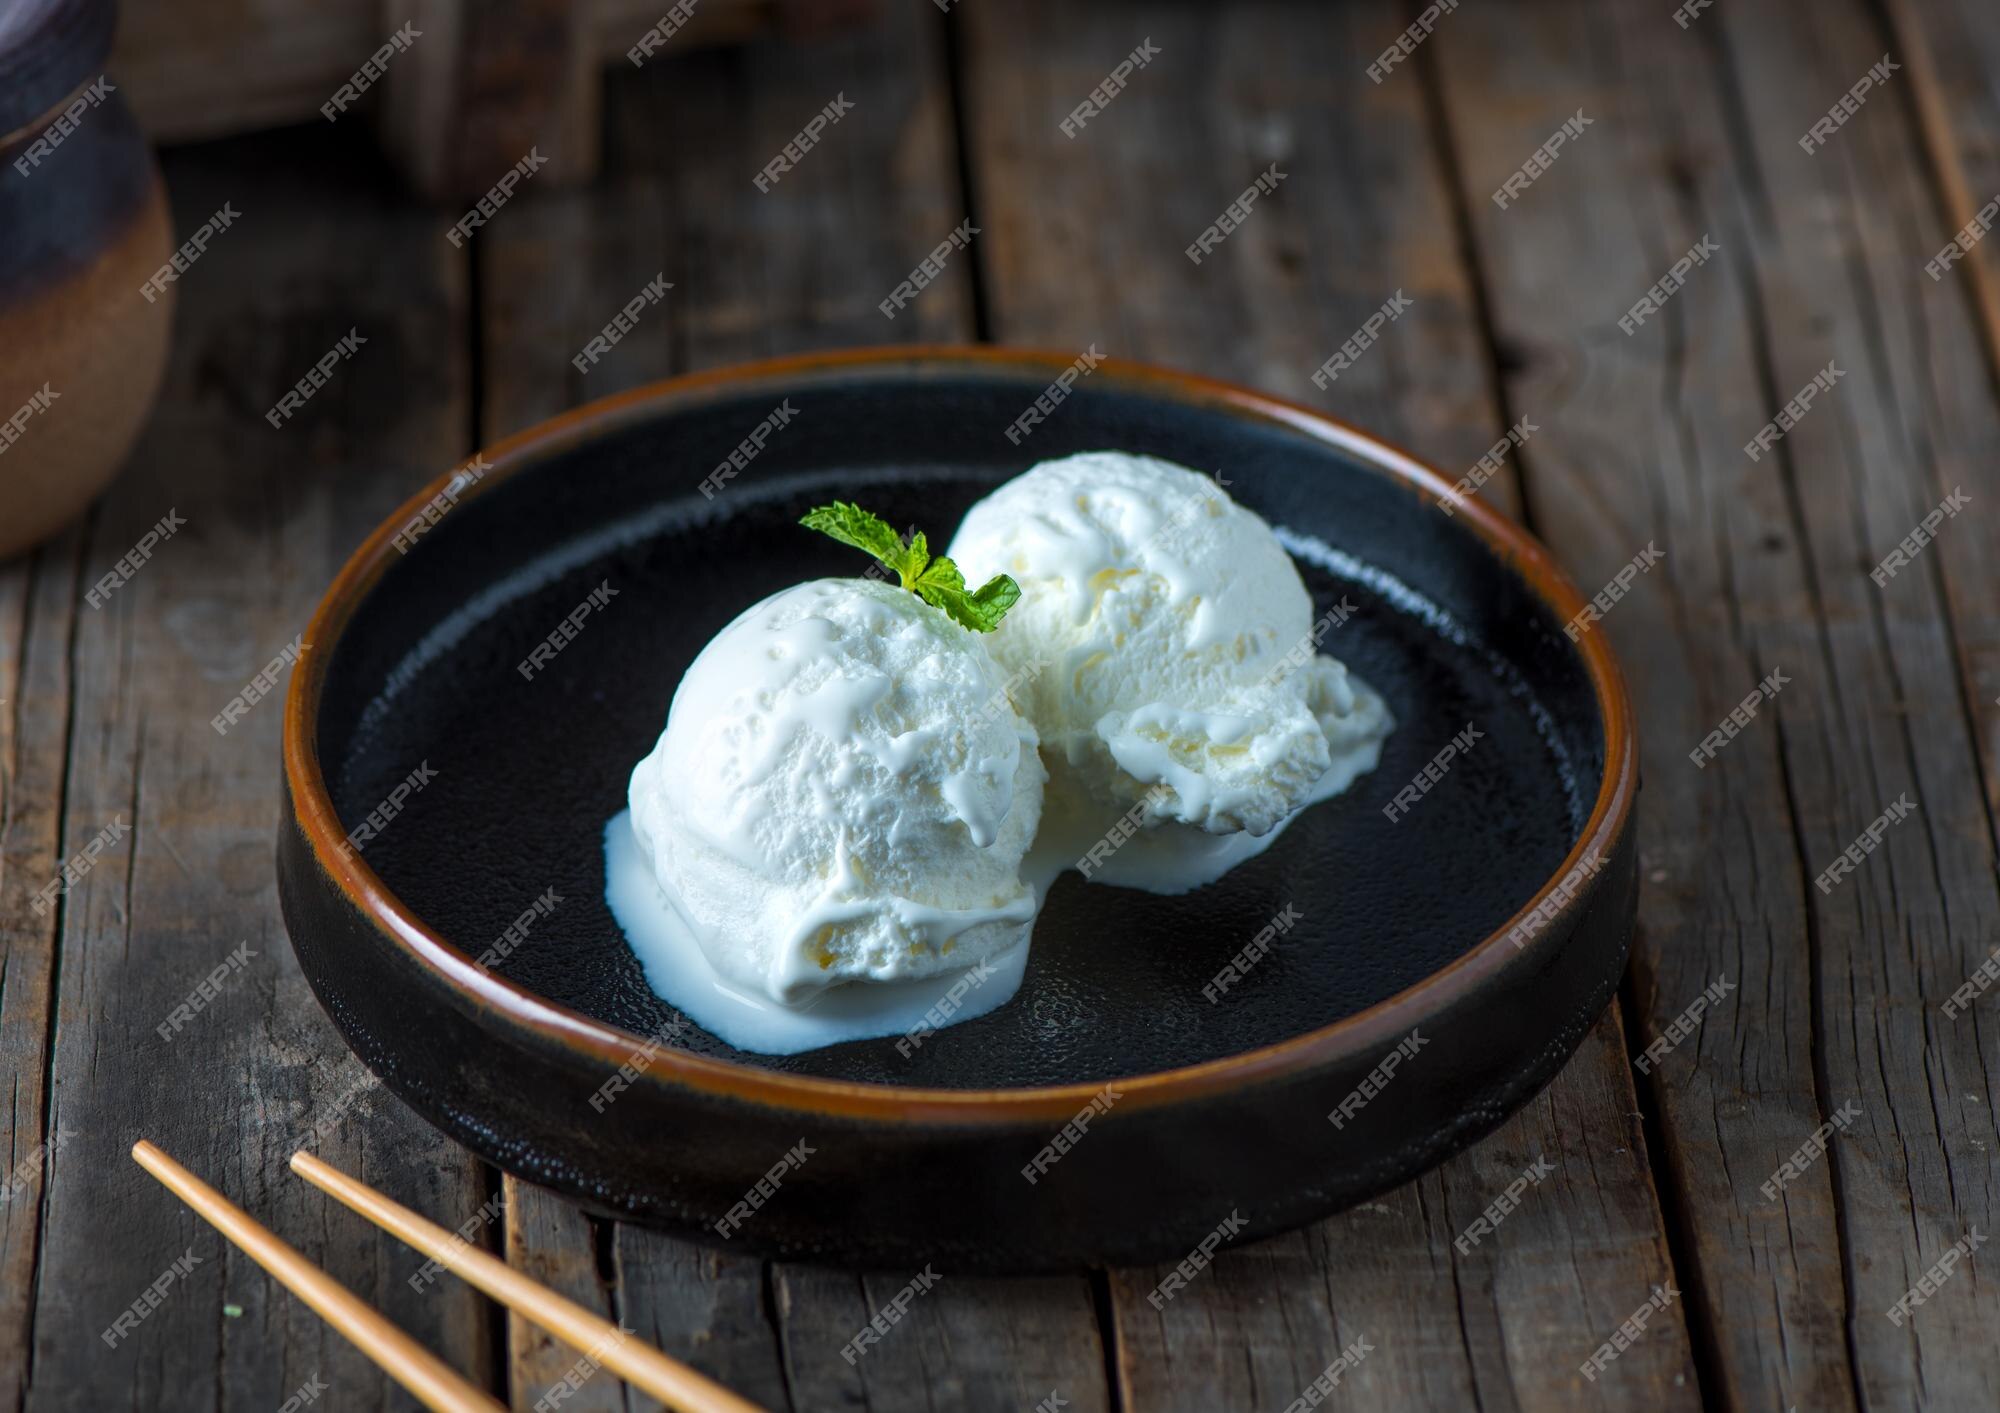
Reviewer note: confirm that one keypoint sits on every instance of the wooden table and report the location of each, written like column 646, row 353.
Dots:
column 1836, row 997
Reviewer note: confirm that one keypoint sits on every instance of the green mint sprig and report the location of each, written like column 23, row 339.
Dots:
column 935, row 580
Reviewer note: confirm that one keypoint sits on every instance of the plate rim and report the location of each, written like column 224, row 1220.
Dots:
column 1385, row 1022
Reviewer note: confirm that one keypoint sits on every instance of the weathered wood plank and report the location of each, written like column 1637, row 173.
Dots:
column 960, row 1343
column 38, row 601
column 754, row 274
column 1767, row 568
column 1350, row 222
column 1895, row 939
column 1952, row 50
column 317, row 249
column 1086, row 242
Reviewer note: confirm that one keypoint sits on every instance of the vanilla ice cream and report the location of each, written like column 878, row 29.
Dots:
column 842, row 793
column 1164, row 648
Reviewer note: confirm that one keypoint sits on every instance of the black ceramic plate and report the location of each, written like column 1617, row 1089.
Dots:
column 1405, row 926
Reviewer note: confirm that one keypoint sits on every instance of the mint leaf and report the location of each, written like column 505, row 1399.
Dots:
column 936, row 581
column 942, row 586
column 942, row 573
column 915, row 558
column 852, row 525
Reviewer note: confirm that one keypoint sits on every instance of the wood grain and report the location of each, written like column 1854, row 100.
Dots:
column 39, row 598
column 269, row 513
column 1767, row 568
column 104, row 713
column 1365, row 211
column 1953, row 49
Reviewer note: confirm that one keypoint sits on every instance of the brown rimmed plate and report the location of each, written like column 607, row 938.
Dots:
column 1110, row 1112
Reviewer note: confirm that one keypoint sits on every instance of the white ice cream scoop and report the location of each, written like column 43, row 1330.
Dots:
column 1164, row 649
column 843, row 792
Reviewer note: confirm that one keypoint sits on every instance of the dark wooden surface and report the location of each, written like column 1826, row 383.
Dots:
column 1656, row 1177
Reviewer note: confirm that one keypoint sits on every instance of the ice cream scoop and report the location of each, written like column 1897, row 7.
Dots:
column 842, row 793
column 1164, row 648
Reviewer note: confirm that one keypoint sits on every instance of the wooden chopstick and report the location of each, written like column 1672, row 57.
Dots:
column 399, row 1356
column 637, row 1362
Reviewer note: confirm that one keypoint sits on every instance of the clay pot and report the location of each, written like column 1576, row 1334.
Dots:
column 86, row 225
